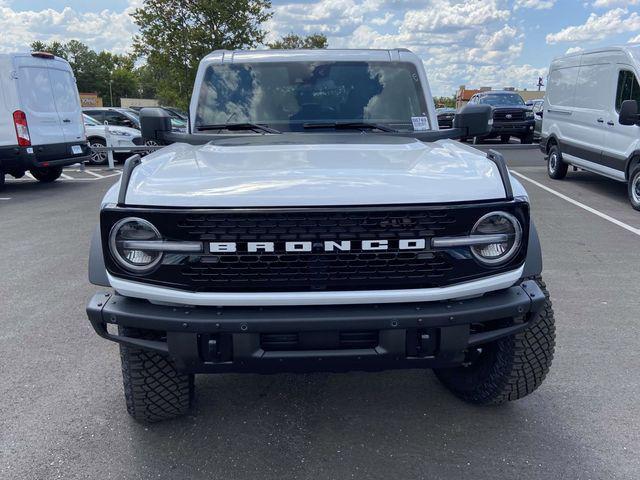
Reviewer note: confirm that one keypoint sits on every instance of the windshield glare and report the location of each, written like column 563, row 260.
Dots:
column 288, row 95
column 502, row 99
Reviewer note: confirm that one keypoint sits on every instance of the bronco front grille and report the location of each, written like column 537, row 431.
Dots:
column 316, row 270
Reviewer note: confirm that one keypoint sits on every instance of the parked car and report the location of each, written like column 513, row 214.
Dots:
column 511, row 117
column 121, row 137
column 591, row 116
column 314, row 238
column 445, row 117
column 126, row 117
column 40, row 119
column 537, row 106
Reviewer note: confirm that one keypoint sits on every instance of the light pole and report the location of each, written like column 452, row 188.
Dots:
column 111, row 91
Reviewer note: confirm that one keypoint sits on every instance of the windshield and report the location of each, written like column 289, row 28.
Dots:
column 288, row 95
column 502, row 99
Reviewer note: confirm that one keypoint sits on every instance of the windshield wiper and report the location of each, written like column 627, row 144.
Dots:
column 348, row 125
column 238, row 126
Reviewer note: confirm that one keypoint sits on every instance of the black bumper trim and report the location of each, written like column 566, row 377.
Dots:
column 185, row 327
column 18, row 160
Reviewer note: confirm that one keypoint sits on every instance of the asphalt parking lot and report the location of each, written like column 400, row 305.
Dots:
column 62, row 412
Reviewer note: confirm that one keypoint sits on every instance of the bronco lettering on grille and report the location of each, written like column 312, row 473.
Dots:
column 327, row 246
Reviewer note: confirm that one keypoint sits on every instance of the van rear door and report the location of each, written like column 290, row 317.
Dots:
column 37, row 100
column 67, row 100
column 49, row 97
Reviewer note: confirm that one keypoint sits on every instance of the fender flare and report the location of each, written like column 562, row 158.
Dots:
column 533, row 262
column 97, row 269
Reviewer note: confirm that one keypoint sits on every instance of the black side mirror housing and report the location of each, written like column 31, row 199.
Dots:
column 629, row 113
column 475, row 120
column 154, row 124
column 540, row 114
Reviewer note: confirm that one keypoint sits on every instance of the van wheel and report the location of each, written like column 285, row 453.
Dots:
column 1, row 180
column 97, row 158
column 556, row 167
column 46, row 174
column 505, row 138
column 633, row 188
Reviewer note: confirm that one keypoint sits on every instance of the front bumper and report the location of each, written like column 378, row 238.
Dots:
column 513, row 128
column 320, row 338
column 20, row 159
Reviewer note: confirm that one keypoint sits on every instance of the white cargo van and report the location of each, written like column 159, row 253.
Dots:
column 590, row 118
column 41, row 127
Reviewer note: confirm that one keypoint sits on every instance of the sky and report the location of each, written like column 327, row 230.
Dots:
column 475, row 43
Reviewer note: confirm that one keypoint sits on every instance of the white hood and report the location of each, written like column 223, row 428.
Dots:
column 356, row 171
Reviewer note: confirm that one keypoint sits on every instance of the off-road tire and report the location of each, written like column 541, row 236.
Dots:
column 46, row 174
column 633, row 188
column 556, row 167
column 509, row 368
column 153, row 389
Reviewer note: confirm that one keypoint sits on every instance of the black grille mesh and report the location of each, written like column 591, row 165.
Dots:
column 316, row 270
column 516, row 115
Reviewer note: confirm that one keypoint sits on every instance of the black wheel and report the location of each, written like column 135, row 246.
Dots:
column 505, row 138
column 556, row 167
column 509, row 368
column 463, row 139
column 149, row 143
column 633, row 188
column 1, row 180
column 527, row 138
column 46, row 174
column 97, row 158
column 153, row 389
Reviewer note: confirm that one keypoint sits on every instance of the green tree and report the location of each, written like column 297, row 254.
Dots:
column 56, row 48
column 291, row 41
column 176, row 34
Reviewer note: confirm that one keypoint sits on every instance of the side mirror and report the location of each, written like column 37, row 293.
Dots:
column 540, row 113
column 475, row 120
column 629, row 113
column 154, row 124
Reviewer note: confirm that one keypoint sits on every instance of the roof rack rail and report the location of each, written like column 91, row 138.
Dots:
column 131, row 163
column 497, row 158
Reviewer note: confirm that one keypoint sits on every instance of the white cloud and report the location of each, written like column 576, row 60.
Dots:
column 573, row 50
column 100, row 30
column 598, row 27
column 635, row 39
column 614, row 3
column 535, row 4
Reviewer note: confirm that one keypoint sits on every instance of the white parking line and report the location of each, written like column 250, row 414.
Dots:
column 65, row 176
column 579, row 204
column 5, row 198
column 94, row 174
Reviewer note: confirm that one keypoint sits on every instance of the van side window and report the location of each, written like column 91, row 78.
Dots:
column 628, row 88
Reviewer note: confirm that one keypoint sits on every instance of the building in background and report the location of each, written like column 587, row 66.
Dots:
column 464, row 94
column 90, row 100
column 138, row 102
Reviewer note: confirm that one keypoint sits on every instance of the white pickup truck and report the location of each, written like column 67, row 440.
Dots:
column 316, row 218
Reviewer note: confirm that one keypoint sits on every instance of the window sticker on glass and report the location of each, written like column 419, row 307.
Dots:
column 420, row 124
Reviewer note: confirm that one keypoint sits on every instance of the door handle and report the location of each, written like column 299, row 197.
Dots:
column 66, row 120
column 610, row 123
column 600, row 120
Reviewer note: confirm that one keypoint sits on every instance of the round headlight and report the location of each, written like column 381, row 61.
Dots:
column 122, row 239
column 497, row 223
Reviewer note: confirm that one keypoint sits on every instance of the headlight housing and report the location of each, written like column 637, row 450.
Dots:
column 134, row 229
column 497, row 223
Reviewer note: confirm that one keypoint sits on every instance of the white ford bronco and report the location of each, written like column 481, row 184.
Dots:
column 315, row 218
